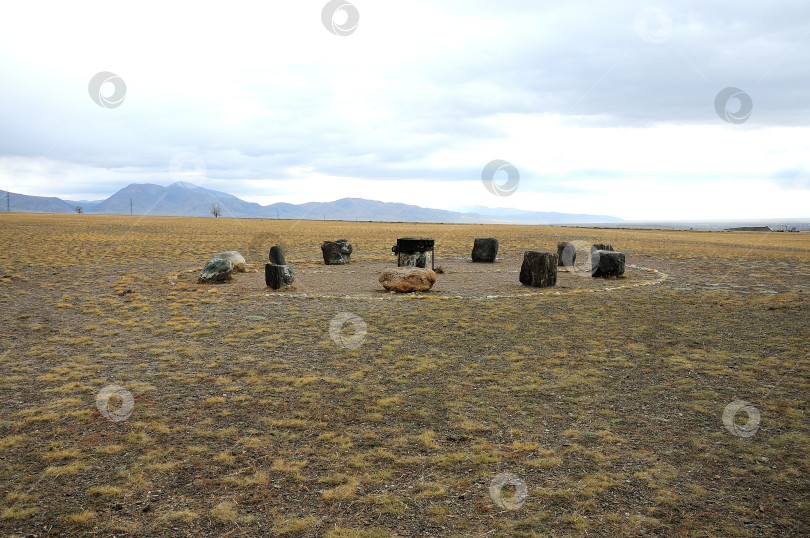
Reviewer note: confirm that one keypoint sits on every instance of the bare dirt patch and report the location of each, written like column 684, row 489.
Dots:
column 460, row 279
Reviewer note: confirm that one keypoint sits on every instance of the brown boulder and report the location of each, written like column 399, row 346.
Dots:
column 407, row 279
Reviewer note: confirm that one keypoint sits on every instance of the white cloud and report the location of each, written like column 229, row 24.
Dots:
column 415, row 102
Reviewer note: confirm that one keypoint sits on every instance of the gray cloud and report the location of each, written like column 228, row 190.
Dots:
column 378, row 104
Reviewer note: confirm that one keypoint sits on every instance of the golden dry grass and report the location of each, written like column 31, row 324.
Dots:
column 249, row 419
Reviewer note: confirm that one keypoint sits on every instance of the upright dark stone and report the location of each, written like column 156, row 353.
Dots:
column 278, row 276
column 415, row 259
column 336, row 252
column 414, row 252
column 484, row 249
column 601, row 246
column 566, row 254
column 605, row 263
column 277, row 256
column 539, row 269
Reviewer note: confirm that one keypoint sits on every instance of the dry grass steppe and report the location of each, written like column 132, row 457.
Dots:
column 247, row 418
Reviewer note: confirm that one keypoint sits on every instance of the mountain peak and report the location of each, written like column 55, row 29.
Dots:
column 184, row 185
column 184, row 199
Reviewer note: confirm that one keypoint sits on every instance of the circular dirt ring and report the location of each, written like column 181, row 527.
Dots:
column 461, row 279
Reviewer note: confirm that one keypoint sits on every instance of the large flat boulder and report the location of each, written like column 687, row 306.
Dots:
column 237, row 260
column 408, row 279
column 217, row 270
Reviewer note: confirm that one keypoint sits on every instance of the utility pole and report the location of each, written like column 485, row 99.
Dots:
column 130, row 207
column 8, row 201
column 277, row 216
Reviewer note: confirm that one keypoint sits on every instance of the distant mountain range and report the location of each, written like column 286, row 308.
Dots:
column 187, row 200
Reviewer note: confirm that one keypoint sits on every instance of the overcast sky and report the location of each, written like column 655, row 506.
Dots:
column 613, row 107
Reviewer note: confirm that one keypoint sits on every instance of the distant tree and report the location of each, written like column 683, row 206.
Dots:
column 216, row 210
column 78, row 209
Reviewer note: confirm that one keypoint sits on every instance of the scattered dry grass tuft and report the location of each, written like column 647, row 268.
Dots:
column 249, row 419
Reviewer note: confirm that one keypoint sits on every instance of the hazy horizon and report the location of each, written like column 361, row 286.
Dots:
column 673, row 112
column 802, row 224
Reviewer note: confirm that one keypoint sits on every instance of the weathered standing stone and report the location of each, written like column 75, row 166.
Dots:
column 414, row 252
column 336, row 252
column 605, row 263
column 237, row 259
column 278, row 276
column 415, row 259
column 485, row 249
column 566, row 254
column 601, row 246
column 539, row 269
column 216, row 270
column 277, row 255
column 407, row 279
